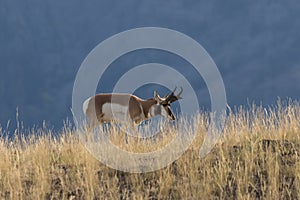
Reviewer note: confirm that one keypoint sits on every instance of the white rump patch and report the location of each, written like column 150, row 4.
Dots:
column 85, row 105
column 113, row 111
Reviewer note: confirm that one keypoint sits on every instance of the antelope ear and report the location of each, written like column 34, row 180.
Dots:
column 156, row 96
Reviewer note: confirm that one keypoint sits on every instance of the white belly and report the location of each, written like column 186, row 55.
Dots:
column 113, row 111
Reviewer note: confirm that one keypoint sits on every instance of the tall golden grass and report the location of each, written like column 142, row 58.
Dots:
column 256, row 158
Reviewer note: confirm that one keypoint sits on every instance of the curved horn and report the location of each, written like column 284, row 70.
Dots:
column 178, row 95
column 174, row 90
column 170, row 96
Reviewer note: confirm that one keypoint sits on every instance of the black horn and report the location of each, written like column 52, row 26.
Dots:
column 172, row 97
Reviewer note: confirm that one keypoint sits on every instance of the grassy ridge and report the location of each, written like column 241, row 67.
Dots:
column 257, row 158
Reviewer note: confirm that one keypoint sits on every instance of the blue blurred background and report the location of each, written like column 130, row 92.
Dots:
column 255, row 45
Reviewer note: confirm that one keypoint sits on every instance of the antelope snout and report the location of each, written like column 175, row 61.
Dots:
column 172, row 117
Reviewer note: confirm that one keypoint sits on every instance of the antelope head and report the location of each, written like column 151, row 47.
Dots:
column 164, row 103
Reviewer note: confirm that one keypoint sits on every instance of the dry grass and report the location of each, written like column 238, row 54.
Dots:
column 257, row 158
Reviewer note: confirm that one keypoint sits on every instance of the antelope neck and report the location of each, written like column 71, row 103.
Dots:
column 147, row 104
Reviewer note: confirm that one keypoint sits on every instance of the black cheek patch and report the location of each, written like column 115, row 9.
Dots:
column 170, row 112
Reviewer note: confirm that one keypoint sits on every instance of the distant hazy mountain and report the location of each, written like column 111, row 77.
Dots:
column 255, row 44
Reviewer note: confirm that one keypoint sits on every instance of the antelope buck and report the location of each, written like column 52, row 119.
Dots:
column 123, row 107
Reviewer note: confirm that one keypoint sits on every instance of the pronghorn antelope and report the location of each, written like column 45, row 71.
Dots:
column 127, row 107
